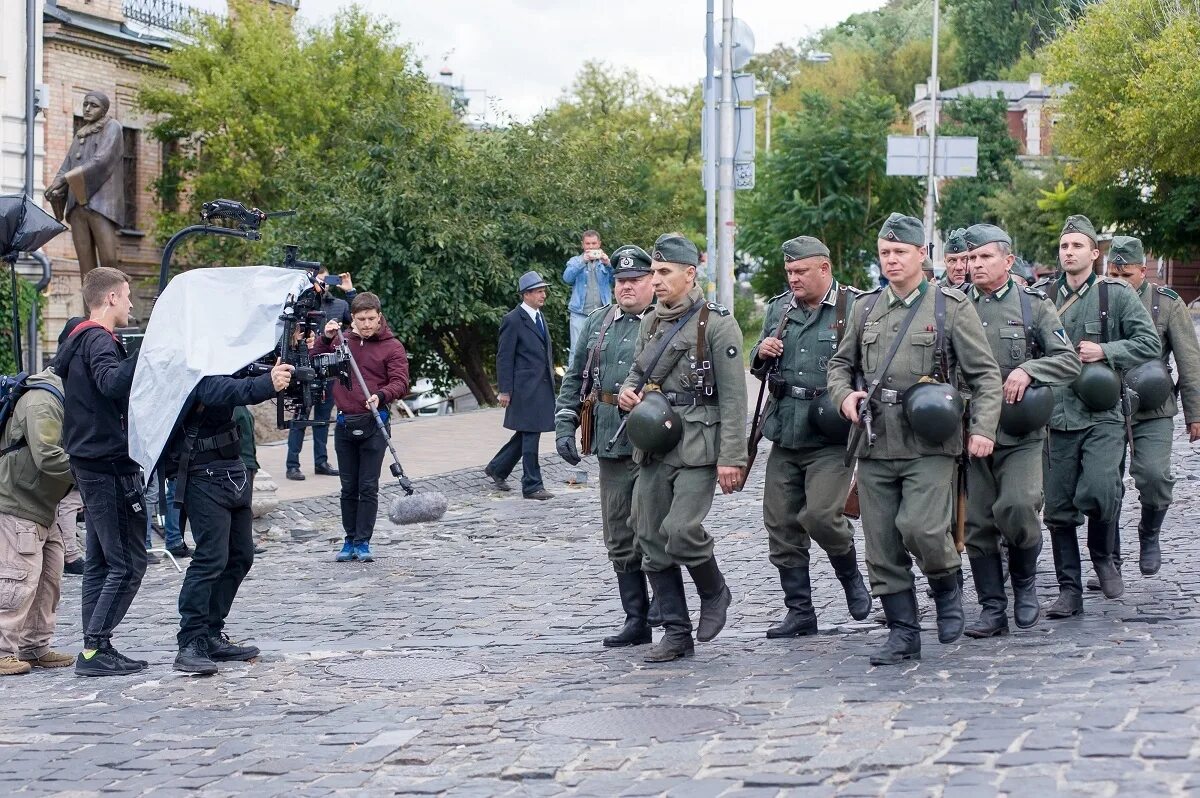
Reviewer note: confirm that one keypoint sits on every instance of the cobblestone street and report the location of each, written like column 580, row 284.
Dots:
column 466, row 661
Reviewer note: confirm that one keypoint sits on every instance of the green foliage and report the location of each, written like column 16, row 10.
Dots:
column 1033, row 207
column 964, row 200
column 26, row 296
column 1165, row 214
column 1134, row 106
column 826, row 178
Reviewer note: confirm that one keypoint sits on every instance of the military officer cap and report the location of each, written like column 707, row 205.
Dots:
column 1023, row 269
column 956, row 244
column 904, row 229
column 1126, row 250
column 530, row 281
column 676, row 248
column 630, row 261
column 1079, row 223
column 802, row 247
column 978, row 235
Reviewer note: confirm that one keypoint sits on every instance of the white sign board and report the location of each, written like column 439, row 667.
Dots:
column 957, row 156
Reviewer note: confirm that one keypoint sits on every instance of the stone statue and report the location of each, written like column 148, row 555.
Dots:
column 89, row 189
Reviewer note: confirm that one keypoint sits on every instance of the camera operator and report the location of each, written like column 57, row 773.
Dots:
column 357, row 439
column 97, row 376
column 334, row 309
column 214, row 488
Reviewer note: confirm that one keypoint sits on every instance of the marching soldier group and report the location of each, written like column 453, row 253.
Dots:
column 947, row 411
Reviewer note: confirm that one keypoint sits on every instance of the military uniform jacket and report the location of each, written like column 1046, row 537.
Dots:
column 611, row 365
column 1131, row 340
column 1177, row 334
column 809, row 341
column 1000, row 315
column 967, row 350
column 713, row 434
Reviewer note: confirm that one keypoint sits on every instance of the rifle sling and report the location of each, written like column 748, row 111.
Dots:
column 588, row 382
column 895, row 347
column 649, row 359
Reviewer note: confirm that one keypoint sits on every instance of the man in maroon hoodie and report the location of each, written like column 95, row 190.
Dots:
column 359, row 444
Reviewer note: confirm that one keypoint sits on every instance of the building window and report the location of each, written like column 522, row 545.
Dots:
column 169, row 183
column 129, row 142
column 129, row 138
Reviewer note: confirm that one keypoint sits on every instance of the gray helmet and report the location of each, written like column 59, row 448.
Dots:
column 653, row 425
column 1152, row 382
column 1098, row 387
column 934, row 410
column 826, row 420
column 1031, row 413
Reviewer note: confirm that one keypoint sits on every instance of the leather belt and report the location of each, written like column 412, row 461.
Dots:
column 796, row 392
column 685, row 399
column 608, row 398
column 889, row 397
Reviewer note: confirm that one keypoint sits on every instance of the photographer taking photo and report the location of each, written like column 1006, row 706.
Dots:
column 358, row 441
column 214, row 489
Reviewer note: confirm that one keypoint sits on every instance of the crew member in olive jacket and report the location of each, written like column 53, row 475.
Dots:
column 600, row 363
column 1083, row 429
column 1005, row 490
column 1150, row 461
column 806, row 478
column 701, row 375
column 906, row 479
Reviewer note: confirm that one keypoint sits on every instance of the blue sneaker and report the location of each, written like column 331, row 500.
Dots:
column 362, row 552
column 347, row 552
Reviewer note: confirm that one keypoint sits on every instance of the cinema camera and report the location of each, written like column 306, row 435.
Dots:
column 302, row 316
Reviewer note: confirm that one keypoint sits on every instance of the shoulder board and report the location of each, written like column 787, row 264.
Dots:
column 600, row 310
column 721, row 309
column 852, row 290
column 1115, row 281
column 778, row 296
column 1162, row 289
column 1045, row 281
column 954, row 294
column 1034, row 291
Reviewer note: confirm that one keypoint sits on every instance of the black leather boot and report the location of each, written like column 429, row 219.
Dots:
column 904, row 635
column 1093, row 582
column 676, row 641
column 858, row 598
column 222, row 649
column 988, row 574
column 801, row 619
column 947, row 598
column 193, row 658
column 636, row 632
column 654, row 614
column 1101, row 542
column 1150, row 556
column 1022, row 568
column 1064, row 542
column 714, row 598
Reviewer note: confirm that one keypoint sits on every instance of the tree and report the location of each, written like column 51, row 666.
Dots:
column 1033, row 207
column 827, row 178
column 1134, row 104
column 26, row 296
column 963, row 201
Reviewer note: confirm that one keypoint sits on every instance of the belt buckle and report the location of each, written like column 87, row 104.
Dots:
column 888, row 396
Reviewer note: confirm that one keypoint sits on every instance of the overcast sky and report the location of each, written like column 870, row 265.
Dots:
column 523, row 53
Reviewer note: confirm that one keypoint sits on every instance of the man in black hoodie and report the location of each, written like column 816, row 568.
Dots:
column 97, row 376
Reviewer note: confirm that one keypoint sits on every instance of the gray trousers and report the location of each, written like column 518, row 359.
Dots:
column 803, row 498
column 1004, row 499
column 669, row 507
column 1082, row 475
column 618, row 476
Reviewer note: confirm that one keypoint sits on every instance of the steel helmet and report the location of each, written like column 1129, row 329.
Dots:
column 1029, row 414
column 934, row 410
column 827, row 421
column 1098, row 387
column 653, row 425
column 1152, row 382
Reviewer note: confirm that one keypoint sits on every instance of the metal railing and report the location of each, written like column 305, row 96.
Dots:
column 166, row 14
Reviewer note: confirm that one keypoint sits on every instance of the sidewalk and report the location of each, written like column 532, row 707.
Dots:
column 427, row 446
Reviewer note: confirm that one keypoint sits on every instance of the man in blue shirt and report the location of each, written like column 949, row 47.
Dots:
column 591, row 279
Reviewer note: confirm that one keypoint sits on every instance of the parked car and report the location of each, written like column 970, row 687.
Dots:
column 424, row 400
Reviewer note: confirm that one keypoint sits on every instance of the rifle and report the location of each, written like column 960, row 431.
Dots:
column 960, row 480
column 756, row 433
column 864, row 425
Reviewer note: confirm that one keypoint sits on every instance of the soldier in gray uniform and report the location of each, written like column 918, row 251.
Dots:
column 905, row 343
column 955, row 258
column 1082, row 472
column 806, row 480
column 690, row 351
column 1004, row 498
column 600, row 363
column 1150, row 461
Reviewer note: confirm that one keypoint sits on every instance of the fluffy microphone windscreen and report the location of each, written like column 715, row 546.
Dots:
column 417, row 508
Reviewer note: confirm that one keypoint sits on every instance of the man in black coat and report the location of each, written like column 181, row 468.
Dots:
column 525, row 372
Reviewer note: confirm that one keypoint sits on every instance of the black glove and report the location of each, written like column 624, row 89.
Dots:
column 566, row 449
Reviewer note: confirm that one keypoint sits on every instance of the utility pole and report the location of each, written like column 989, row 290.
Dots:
column 931, row 178
column 725, row 172
column 710, row 154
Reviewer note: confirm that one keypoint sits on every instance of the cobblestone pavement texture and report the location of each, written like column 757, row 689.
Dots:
column 466, row 661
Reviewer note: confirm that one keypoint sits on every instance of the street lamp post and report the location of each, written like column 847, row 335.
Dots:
column 931, row 126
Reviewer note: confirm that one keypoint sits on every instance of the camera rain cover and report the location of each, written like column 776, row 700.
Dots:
column 206, row 322
column 24, row 227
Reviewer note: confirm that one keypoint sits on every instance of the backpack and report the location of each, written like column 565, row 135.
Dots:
column 11, row 390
